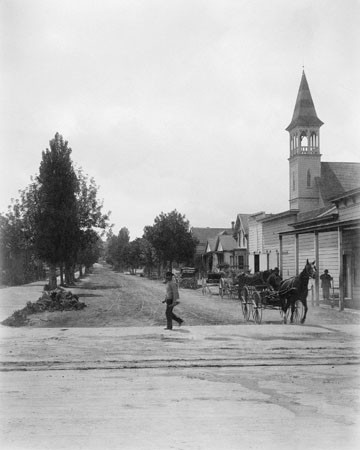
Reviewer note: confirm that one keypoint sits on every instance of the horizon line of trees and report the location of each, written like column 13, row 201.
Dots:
column 57, row 223
column 167, row 242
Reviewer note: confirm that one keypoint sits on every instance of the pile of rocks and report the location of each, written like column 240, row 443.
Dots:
column 56, row 300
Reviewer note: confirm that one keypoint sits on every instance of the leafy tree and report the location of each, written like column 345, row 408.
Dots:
column 56, row 218
column 18, row 261
column 91, row 247
column 92, row 221
column 171, row 238
column 118, row 248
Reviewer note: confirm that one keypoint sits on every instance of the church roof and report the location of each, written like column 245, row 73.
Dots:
column 304, row 112
column 338, row 178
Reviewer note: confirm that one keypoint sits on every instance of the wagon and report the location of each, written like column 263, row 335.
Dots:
column 211, row 284
column 256, row 298
column 188, row 278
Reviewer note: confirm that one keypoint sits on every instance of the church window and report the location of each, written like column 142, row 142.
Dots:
column 293, row 181
column 308, row 178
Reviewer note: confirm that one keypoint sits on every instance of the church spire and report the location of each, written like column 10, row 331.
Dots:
column 304, row 112
column 305, row 157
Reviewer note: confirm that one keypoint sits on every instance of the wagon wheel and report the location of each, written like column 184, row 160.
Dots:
column 245, row 305
column 298, row 311
column 257, row 307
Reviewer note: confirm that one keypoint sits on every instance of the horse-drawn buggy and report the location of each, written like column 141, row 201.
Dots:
column 211, row 284
column 188, row 278
column 290, row 299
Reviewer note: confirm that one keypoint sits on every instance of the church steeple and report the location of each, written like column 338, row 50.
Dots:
column 304, row 160
column 304, row 112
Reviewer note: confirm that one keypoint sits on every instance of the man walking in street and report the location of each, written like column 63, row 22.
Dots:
column 171, row 300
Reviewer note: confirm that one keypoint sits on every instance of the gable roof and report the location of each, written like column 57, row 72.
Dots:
column 337, row 178
column 304, row 111
column 242, row 221
column 226, row 243
column 314, row 214
column 210, row 245
column 204, row 234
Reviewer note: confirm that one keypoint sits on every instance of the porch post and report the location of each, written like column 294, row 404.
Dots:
column 317, row 284
column 296, row 254
column 341, row 269
column 281, row 255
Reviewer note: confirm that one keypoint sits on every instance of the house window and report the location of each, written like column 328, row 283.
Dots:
column 241, row 262
column 308, row 178
column 220, row 258
column 256, row 263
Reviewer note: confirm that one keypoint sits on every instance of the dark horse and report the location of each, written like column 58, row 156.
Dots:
column 257, row 279
column 296, row 288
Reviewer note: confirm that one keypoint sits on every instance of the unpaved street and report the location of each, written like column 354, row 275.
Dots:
column 115, row 299
column 110, row 377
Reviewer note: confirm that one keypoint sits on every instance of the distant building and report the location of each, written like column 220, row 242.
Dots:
column 206, row 238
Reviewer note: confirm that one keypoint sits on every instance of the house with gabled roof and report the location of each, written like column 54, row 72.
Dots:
column 203, row 235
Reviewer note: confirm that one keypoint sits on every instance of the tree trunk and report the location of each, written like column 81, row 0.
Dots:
column 52, row 277
column 67, row 275
column 80, row 271
column 61, row 274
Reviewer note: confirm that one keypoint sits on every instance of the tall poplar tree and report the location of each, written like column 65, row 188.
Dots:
column 56, row 218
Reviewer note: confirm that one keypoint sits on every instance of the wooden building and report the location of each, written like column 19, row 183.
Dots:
column 323, row 222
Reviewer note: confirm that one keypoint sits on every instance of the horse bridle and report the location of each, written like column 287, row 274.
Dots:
column 311, row 273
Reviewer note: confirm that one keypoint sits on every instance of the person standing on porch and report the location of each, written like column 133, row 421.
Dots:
column 326, row 279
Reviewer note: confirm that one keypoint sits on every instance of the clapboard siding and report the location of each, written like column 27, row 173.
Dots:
column 288, row 256
column 306, row 249
column 329, row 255
column 351, row 246
column 271, row 230
column 350, row 212
column 255, row 236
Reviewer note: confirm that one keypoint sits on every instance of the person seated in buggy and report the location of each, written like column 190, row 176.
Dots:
column 274, row 280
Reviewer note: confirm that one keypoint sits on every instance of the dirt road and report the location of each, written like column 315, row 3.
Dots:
column 117, row 300
column 93, row 380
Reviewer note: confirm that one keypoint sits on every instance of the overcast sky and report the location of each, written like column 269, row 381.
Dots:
column 175, row 104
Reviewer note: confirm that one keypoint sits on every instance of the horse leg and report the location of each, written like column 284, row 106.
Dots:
column 292, row 312
column 284, row 307
column 305, row 311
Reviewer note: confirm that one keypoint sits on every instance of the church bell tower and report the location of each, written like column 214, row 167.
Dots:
column 305, row 157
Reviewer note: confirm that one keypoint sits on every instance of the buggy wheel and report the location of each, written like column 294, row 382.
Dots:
column 298, row 311
column 257, row 307
column 245, row 303
column 245, row 307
